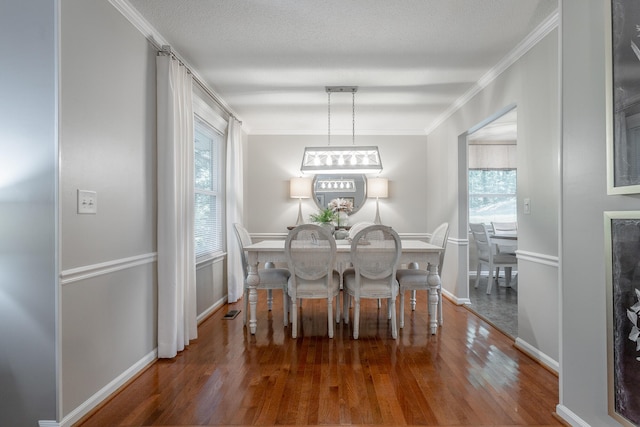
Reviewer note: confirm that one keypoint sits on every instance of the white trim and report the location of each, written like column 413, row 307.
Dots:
column 537, row 258
column 527, row 348
column 109, row 389
column 207, row 261
column 459, row 242
column 455, row 299
column 532, row 39
column 570, row 417
column 42, row 423
column 154, row 37
column 94, row 270
column 205, row 314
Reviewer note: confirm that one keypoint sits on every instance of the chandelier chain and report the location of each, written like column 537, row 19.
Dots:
column 329, row 118
column 353, row 118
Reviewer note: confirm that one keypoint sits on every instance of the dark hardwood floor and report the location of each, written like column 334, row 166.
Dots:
column 468, row 375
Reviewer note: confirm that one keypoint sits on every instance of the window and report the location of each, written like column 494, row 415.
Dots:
column 492, row 195
column 208, row 195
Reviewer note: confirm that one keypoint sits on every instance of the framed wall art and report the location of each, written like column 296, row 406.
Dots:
column 622, row 263
column 623, row 96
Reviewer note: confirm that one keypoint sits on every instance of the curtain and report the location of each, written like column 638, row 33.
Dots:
column 177, row 323
column 235, row 210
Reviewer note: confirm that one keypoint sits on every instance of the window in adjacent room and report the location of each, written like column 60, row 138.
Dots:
column 492, row 195
column 208, row 194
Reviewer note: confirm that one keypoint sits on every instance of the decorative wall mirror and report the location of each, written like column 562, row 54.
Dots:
column 333, row 186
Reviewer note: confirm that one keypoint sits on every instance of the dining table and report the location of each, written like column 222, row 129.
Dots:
column 412, row 251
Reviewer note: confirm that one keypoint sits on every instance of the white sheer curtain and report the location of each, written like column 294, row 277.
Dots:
column 176, row 259
column 235, row 209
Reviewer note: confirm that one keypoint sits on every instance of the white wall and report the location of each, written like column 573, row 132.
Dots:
column 531, row 84
column 28, row 217
column 273, row 160
column 583, row 378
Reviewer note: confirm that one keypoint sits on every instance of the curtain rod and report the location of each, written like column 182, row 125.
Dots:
column 166, row 50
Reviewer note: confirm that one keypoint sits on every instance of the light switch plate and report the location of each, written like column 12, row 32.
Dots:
column 527, row 206
column 87, row 202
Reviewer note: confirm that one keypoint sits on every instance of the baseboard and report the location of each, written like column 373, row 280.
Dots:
column 537, row 355
column 572, row 419
column 209, row 311
column 100, row 396
column 454, row 299
column 42, row 423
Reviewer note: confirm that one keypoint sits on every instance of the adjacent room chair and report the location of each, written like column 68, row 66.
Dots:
column 504, row 228
column 487, row 255
column 415, row 279
column 270, row 278
column 375, row 251
column 311, row 255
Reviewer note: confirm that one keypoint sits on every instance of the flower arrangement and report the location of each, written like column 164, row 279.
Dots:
column 341, row 208
column 341, row 205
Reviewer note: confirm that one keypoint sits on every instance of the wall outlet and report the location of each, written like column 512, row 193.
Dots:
column 527, row 206
column 87, row 202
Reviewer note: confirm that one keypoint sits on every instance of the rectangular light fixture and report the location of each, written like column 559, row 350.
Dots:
column 346, row 159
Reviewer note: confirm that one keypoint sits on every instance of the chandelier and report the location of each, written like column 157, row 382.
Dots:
column 342, row 159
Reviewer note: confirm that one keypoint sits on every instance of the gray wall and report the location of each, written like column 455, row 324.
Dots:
column 107, row 142
column 108, row 260
column 28, row 219
column 583, row 377
column 531, row 84
column 273, row 160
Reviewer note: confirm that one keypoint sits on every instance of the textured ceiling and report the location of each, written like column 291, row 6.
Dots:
column 270, row 60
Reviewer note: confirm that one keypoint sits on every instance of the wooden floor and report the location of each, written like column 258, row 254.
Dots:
column 468, row 375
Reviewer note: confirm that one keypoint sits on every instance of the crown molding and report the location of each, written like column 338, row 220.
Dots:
column 523, row 47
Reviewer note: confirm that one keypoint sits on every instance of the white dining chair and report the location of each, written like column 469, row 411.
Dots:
column 270, row 278
column 311, row 254
column 488, row 256
column 504, row 228
column 375, row 251
column 415, row 278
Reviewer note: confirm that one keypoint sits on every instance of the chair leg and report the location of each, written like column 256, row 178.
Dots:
column 394, row 326
column 490, row 279
column 285, row 305
column 379, row 303
column 270, row 299
column 497, row 274
column 413, row 300
column 388, row 309
column 478, row 275
column 507, row 276
column 338, row 307
column 440, row 306
column 401, row 309
column 294, row 318
column 246, row 306
column 356, row 319
column 346, row 300
column 330, row 315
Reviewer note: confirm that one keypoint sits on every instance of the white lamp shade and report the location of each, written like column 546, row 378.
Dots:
column 300, row 188
column 378, row 187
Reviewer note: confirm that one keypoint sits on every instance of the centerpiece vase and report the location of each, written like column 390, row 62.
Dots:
column 343, row 219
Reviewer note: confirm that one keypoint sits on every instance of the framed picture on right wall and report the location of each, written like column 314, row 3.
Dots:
column 622, row 46
column 622, row 263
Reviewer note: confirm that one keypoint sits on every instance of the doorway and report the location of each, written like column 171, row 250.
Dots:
column 491, row 193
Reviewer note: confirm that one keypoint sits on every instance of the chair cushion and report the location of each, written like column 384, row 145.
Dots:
column 412, row 279
column 273, row 276
column 373, row 288
column 315, row 288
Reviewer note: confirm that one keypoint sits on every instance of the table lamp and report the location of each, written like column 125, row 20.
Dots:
column 300, row 188
column 378, row 187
